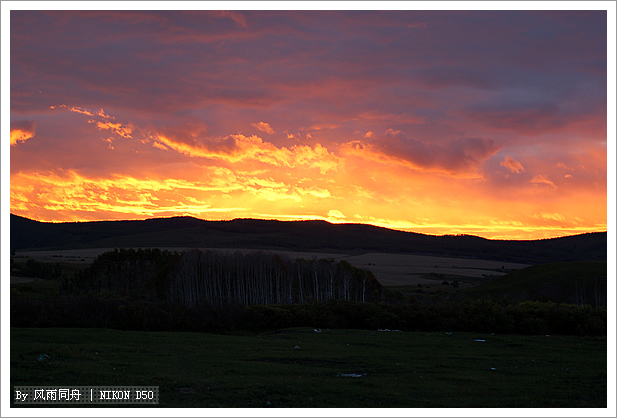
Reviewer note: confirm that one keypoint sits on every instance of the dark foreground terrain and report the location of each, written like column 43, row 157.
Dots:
column 302, row 368
column 83, row 324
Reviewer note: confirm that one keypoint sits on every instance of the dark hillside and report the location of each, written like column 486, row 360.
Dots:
column 294, row 236
column 27, row 233
column 582, row 283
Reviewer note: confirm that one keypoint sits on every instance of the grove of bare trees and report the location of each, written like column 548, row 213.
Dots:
column 219, row 279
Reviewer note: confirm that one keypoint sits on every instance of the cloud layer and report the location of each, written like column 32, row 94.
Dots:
column 492, row 123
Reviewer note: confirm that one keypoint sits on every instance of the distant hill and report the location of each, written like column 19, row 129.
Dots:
column 577, row 283
column 294, row 236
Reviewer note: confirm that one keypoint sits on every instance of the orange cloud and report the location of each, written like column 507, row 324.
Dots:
column 550, row 217
column 68, row 193
column 321, row 126
column 83, row 111
column 80, row 110
column 117, row 128
column 541, row 179
column 335, row 215
column 512, row 165
column 220, row 190
column 237, row 148
column 264, row 127
column 22, row 130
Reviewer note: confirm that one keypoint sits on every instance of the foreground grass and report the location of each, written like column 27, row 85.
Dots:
column 397, row 369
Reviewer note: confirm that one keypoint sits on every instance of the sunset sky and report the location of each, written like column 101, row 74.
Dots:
column 491, row 123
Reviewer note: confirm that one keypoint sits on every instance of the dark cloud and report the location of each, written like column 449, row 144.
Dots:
column 167, row 61
column 533, row 117
column 444, row 77
column 453, row 156
column 28, row 126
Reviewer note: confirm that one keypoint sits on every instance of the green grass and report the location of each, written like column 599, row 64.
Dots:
column 398, row 369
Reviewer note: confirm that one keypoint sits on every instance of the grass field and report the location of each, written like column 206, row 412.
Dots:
column 394, row 369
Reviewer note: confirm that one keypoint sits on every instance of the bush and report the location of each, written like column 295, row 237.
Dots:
column 483, row 315
column 262, row 317
column 109, row 310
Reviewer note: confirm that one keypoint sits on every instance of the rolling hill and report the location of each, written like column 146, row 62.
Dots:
column 575, row 282
column 294, row 236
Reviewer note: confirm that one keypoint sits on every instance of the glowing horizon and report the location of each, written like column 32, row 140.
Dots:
column 491, row 124
column 492, row 233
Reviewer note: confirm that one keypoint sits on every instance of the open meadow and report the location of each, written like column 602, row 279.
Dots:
column 300, row 367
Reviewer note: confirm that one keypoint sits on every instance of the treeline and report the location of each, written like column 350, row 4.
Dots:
column 137, row 274
column 159, row 290
column 108, row 310
column 220, row 279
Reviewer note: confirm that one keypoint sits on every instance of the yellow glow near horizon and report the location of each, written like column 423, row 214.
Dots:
column 225, row 196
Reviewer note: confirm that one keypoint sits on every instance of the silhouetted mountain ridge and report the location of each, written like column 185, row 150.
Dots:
column 294, row 236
